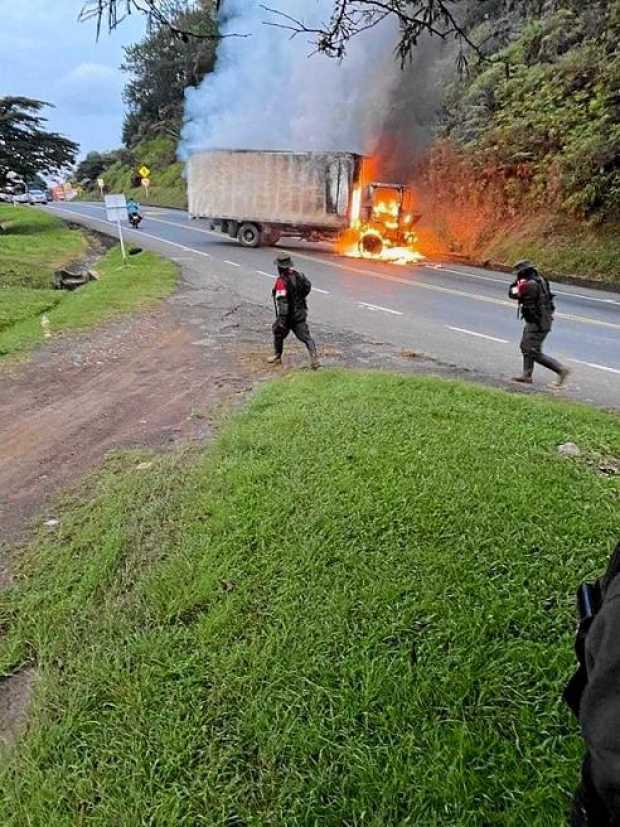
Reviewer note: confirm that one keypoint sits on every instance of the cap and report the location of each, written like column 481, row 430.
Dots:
column 283, row 261
column 522, row 266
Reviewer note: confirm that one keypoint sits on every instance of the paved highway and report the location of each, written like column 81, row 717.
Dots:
column 457, row 314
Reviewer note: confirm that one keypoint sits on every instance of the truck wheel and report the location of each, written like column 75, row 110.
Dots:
column 249, row 235
column 371, row 244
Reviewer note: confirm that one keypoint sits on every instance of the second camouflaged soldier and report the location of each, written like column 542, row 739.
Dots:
column 593, row 694
column 536, row 306
column 289, row 296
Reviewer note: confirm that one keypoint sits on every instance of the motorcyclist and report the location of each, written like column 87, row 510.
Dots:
column 133, row 212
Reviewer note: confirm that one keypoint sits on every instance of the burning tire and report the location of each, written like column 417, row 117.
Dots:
column 248, row 235
column 371, row 244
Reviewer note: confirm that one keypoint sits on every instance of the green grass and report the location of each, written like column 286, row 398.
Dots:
column 561, row 246
column 168, row 186
column 20, row 303
column 33, row 246
column 229, row 639
column 145, row 279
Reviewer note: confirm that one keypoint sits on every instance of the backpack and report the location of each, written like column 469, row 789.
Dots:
column 301, row 284
column 547, row 294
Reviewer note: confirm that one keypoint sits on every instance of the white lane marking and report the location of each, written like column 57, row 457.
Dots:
column 478, row 335
column 138, row 232
column 439, row 267
column 188, row 226
column 318, row 290
column 386, row 277
column 179, row 224
column 263, row 273
column 442, row 269
column 449, row 290
column 595, row 366
column 383, row 309
column 583, row 296
column 232, row 263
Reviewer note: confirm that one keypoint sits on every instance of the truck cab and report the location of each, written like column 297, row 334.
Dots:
column 386, row 217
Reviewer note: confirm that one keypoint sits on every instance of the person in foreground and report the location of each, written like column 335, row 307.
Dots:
column 289, row 297
column 536, row 306
column 593, row 694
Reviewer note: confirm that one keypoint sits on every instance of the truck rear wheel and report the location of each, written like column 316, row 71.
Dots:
column 249, row 235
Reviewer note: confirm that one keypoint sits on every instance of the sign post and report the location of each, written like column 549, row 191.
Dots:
column 116, row 213
column 101, row 185
column 146, row 183
column 144, row 171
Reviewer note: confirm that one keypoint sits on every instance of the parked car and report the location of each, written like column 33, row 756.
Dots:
column 6, row 196
column 21, row 198
column 37, row 197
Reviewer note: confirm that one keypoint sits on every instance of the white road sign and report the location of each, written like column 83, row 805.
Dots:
column 116, row 211
column 116, row 208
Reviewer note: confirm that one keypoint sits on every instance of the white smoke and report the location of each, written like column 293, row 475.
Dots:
column 269, row 91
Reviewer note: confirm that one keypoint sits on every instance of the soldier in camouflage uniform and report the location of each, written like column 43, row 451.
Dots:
column 289, row 296
column 593, row 694
column 536, row 306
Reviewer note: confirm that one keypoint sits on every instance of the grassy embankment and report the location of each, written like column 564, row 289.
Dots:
column 525, row 161
column 168, row 187
column 560, row 246
column 33, row 246
column 355, row 608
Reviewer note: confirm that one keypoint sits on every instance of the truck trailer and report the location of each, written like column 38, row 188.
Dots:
column 259, row 197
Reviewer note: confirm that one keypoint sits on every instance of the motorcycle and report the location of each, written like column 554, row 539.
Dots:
column 135, row 219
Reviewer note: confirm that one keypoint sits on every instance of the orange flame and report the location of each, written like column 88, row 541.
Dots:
column 356, row 207
column 383, row 233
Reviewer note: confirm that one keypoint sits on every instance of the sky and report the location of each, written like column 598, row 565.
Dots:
column 45, row 53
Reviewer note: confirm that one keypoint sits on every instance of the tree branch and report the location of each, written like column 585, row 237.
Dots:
column 160, row 12
column 350, row 18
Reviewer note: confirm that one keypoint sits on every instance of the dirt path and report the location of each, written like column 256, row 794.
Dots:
column 144, row 381
column 140, row 381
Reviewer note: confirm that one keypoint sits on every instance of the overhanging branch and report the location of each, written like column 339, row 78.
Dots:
column 111, row 13
column 349, row 18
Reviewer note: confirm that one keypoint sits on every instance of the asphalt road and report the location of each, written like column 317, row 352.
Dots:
column 458, row 315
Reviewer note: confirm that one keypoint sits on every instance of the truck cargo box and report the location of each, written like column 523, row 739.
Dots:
column 305, row 189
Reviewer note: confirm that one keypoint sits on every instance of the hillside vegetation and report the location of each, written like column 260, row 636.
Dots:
column 168, row 188
column 534, row 132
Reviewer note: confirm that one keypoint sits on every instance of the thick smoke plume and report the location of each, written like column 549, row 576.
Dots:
column 411, row 121
column 269, row 91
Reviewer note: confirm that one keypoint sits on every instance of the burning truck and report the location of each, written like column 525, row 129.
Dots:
column 259, row 197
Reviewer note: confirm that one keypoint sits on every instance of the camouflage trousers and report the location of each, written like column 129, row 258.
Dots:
column 281, row 329
column 531, row 348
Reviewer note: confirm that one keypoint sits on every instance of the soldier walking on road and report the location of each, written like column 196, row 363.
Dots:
column 289, row 296
column 536, row 306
